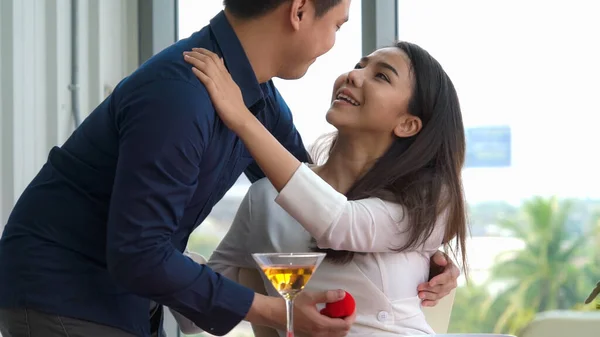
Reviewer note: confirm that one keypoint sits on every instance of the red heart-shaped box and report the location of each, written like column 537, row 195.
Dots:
column 340, row 309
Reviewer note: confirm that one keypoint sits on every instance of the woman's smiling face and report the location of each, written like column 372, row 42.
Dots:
column 373, row 98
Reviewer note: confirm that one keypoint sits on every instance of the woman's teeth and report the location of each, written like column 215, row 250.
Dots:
column 347, row 99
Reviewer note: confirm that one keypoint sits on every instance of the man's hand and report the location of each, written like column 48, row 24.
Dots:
column 309, row 321
column 443, row 275
column 270, row 311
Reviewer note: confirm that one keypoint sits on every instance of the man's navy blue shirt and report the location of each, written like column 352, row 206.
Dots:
column 100, row 231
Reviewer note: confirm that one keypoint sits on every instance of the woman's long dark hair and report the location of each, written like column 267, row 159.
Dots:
column 422, row 172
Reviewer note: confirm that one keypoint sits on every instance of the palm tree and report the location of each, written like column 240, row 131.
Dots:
column 593, row 272
column 474, row 309
column 547, row 273
column 595, row 235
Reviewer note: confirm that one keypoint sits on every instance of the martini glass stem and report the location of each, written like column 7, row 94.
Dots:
column 289, row 309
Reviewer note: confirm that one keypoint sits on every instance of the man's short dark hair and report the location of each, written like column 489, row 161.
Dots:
column 250, row 9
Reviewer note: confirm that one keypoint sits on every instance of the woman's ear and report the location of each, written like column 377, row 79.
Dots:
column 408, row 126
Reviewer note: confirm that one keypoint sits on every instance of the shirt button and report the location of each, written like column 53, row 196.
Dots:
column 382, row 316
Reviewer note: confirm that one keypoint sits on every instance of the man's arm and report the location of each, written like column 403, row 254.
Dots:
column 443, row 276
column 286, row 133
column 161, row 142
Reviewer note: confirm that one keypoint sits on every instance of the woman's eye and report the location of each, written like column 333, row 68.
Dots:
column 382, row 76
column 358, row 66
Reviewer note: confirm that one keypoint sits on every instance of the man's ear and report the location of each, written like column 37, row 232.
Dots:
column 297, row 13
column 408, row 126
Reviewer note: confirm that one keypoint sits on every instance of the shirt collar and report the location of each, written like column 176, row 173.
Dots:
column 236, row 60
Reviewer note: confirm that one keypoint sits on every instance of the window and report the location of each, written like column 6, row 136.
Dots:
column 526, row 74
column 308, row 98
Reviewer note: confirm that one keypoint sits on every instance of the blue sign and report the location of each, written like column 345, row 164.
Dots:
column 488, row 146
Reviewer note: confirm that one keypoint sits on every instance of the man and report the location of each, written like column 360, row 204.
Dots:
column 97, row 237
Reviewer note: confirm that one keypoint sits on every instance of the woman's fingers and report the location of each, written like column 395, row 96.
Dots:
column 207, row 81
column 204, row 63
column 211, row 71
column 193, row 59
column 219, row 62
column 214, row 57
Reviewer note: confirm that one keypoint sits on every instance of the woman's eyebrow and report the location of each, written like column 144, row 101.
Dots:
column 381, row 64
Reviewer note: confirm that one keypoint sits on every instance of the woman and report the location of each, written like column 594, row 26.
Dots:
column 387, row 197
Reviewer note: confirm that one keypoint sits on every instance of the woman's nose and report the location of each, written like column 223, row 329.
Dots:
column 355, row 77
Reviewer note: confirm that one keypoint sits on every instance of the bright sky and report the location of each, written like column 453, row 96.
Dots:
column 531, row 65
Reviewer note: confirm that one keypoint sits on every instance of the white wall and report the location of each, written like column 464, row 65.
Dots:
column 35, row 73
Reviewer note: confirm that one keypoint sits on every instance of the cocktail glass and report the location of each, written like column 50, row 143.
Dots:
column 289, row 273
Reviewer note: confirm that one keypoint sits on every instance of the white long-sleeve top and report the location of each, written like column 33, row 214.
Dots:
column 383, row 282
